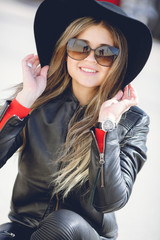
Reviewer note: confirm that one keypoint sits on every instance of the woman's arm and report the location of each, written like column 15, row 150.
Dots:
column 10, row 138
column 112, row 173
column 123, row 160
column 12, row 121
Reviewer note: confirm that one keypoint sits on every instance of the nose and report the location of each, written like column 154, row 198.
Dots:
column 91, row 56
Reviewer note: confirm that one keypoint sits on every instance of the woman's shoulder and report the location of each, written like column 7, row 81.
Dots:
column 133, row 117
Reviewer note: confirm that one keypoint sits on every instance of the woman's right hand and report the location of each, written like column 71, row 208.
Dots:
column 34, row 80
column 120, row 103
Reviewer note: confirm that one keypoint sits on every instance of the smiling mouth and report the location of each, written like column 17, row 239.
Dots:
column 87, row 70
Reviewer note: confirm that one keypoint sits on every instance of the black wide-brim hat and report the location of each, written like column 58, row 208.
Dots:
column 53, row 16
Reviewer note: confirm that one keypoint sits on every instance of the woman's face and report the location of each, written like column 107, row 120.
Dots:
column 88, row 73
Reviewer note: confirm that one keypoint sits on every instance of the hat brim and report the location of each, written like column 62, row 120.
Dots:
column 52, row 18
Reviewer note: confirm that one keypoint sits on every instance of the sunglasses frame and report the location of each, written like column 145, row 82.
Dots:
column 114, row 50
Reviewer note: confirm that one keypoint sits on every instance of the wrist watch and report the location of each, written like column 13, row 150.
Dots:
column 107, row 125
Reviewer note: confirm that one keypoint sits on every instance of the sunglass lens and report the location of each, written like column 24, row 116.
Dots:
column 77, row 49
column 105, row 55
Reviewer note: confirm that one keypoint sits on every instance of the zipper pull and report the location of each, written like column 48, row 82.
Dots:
column 101, row 161
column 57, row 203
column 9, row 234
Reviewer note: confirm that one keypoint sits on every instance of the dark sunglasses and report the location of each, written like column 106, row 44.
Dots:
column 79, row 49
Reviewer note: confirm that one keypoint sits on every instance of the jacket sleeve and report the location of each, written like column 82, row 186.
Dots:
column 10, row 137
column 111, row 180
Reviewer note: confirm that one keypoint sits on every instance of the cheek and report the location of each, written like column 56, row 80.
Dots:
column 106, row 70
column 104, row 73
column 70, row 66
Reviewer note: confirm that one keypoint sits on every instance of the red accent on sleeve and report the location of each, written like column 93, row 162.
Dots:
column 116, row 2
column 15, row 108
column 100, row 138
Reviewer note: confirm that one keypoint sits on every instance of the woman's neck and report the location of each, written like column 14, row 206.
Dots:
column 83, row 94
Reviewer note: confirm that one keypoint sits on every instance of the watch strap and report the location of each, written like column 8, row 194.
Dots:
column 99, row 125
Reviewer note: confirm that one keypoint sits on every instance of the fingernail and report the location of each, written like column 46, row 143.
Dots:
column 29, row 64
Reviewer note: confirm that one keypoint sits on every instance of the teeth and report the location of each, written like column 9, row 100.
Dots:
column 88, row 70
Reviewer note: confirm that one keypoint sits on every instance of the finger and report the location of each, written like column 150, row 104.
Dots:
column 38, row 70
column 44, row 71
column 125, row 92
column 35, row 58
column 34, row 61
column 132, row 90
column 118, row 96
column 129, row 92
column 35, row 64
column 133, row 94
column 27, row 61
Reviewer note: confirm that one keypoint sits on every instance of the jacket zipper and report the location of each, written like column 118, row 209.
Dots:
column 102, row 161
column 101, row 158
column 12, row 235
column 100, row 171
column 57, row 203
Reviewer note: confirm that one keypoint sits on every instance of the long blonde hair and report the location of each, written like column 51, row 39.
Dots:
column 74, row 155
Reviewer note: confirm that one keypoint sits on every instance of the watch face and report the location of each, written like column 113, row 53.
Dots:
column 108, row 125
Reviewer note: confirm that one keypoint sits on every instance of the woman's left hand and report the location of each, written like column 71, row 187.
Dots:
column 120, row 103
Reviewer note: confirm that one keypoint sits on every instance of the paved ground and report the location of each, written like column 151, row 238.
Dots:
column 140, row 218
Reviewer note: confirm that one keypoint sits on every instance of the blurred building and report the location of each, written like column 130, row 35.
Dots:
column 147, row 11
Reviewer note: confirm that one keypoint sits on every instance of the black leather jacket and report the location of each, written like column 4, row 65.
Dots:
column 46, row 129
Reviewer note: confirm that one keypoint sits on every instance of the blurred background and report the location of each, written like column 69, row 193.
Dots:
column 140, row 218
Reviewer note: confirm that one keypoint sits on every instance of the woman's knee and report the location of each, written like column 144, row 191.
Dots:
column 65, row 225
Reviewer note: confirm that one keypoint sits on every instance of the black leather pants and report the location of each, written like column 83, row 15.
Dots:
column 15, row 231
column 65, row 225
column 59, row 225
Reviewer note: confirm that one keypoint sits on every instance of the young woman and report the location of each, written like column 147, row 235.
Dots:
column 82, row 139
